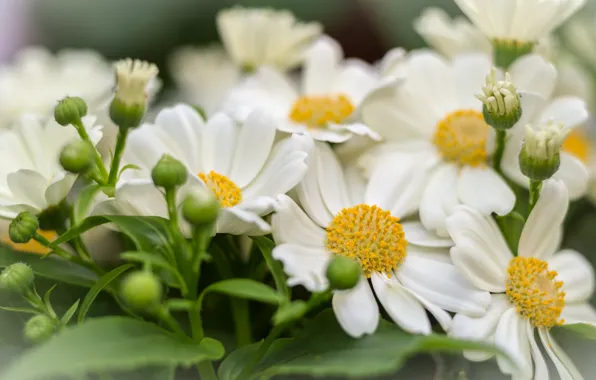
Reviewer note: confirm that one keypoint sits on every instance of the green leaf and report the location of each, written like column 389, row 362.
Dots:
column 246, row 289
column 46, row 299
column 266, row 246
column 290, row 312
column 179, row 304
column 104, row 281
column 85, row 201
column 49, row 267
column 106, row 345
column 157, row 261
column 323, row 349
column 18, row 309
column 69, row 313
column 127, row 167
column 586, row 330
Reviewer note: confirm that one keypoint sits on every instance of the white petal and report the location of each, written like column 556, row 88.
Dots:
column 576, row 272
column 574, row 174
column 480, row 251
column 512, row 338
column 309, row 193
column 470, row 71
column 219, row 144
column 305, row 266
column 439, row 198
column 540, row 367
column 291, row 225
column 401, row 305
column 236, row 221
column 571, row 111
column 355, row 128
column 331, row 180
column 418, row 235
column 443, row 318
column 484, row 190
column 436, row 254
column 258, row 130
column 28, row 186
column 339, row 135
column 355, row 181
column 356, row 309
column 321, row 66
column 60, row 187
column 579, row 313
column 285, row 167
column 563, row 364
column 441, row 284
column 533, row 73
column 355, row 79
column 544, row 221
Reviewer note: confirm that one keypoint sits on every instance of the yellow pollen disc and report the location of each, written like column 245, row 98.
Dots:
column 32, row 246
column 535, row 292
column 226, row 191
column 318, row 111
column 370, row 235
column 578, row 144
column 461, row 138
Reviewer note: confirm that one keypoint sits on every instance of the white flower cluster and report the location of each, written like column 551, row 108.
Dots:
column 399, row 172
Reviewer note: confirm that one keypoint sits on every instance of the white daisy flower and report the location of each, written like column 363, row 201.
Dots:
column 450, row 36
column 325, row 106
column 204, row 75
column 31, row 177
column 36, row 80
column 256, row 37
column 518, row 20
column 241, row 164
column 407, row 265
column 434, row 121
column 534, row 291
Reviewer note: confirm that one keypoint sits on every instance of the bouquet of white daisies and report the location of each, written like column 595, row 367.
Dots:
column 329, row 221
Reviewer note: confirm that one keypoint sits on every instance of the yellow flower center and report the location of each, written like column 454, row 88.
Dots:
column 534, row 291
column 32, row 246
column 578, row 144
column 226, row 191
column 370, row 235
column 318, row 111
column 461, row 138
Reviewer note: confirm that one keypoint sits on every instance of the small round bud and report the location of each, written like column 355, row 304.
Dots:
column 23, row 227
column 539, row 157
column 141, row 290
column 126, row 116
column 77, row 157
column 200, row 207
column 343, row 273
column 169, row 172
column 501, row 102
column 39, row 328
column 17, row 277
column 70, row 110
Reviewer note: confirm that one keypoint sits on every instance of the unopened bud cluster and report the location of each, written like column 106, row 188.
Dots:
column 70, row 110
column 141, row 290
column 539, row 157
column 343, row 273
column 17, row 277
column 501, row 102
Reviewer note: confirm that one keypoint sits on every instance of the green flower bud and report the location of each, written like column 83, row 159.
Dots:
column 17, row 277
column 343, row 273
column 77, row 157
column 126, row 116
column 169, row 172
column 200, row 207
column 539, row 157
column 23, row 227
column 501, row 102
column 141, row 290
column 39, row 328
column 70, row 110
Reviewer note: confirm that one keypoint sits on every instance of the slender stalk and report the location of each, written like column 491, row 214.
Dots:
column 164, row 315
column 115, row 167
column 535, row 187
column 172, row 210
column 241, row 315
column 98, row 161
column 89, row 264
column 500, row 149
column 206, row 370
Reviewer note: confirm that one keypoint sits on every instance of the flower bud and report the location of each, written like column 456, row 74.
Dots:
column 23, row 227
column 343, row 273
column 501, row 102
column 130, row 101
column 539, row 157
column 200, row 207
column 141, row 290
column 169, row 172
column 77, row 157
column 70, row 110
column 17, row 277
column 39, row 328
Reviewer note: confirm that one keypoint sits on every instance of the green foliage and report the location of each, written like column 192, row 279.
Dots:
column 246, row 289
column 109, row 344
column 266, row 246
column 323, row 349
column 586, row 330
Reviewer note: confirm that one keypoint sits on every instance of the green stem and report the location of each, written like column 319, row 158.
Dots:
column 98, row 161
column 205, row 368
column 172, row 210
column 89, row 264
column 499, row 150
column 535, row 187
column 164, row 315
column 115, row 167
column 206, row 371
column 241, row 315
